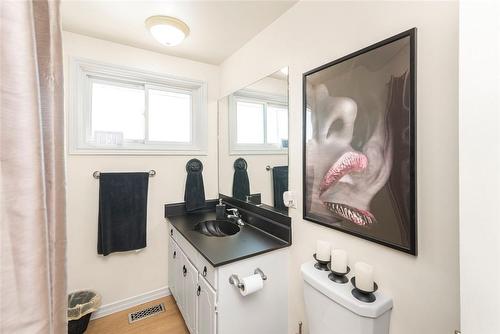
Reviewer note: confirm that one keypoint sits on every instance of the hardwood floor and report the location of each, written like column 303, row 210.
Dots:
column 168, row 322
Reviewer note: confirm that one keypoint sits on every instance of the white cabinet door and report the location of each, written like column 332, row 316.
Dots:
column 206, row 308
column 190, row 286
column 173, row 266
column 180, row 290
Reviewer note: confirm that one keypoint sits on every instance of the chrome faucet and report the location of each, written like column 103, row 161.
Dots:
column 235, row 215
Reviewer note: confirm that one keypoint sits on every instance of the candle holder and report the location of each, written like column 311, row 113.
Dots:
column 338, row 277
column 320, row 264
column 364, row 296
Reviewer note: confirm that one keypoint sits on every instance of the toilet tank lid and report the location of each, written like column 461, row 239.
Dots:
column 341, row 293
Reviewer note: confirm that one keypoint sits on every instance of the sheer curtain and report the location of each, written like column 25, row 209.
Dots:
column 32, row 184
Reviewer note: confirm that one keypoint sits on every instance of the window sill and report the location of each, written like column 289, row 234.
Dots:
column 125, row 152
column 258, row 152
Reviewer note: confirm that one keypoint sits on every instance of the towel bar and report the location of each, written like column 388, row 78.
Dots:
column 96, row 174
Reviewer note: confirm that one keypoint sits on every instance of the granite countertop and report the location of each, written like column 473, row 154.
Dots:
column 250, row 241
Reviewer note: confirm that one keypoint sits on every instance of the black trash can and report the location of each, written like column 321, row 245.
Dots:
column 81, row 304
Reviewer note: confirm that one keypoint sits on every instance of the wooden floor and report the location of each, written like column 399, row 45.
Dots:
column 168, row 322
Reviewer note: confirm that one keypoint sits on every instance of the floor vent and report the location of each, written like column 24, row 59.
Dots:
column 146, row 313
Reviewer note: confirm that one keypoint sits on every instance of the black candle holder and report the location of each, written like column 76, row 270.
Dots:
column 320, row 264
column 364, row 296
column 338, row 277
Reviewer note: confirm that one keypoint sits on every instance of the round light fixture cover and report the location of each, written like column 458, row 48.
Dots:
column 167, row 30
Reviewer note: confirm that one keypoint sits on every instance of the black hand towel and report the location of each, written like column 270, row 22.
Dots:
column 194, row 194
column 123, row 201
column 241, row 184
column 280, row 185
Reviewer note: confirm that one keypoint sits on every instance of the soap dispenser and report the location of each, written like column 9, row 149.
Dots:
column 220, row 210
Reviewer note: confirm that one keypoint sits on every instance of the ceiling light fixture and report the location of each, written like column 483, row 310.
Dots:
column 167, row 30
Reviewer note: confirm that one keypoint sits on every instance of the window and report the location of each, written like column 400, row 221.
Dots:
column 117, row 109
column 258, row 123
column 169, row 116
column 122, row 111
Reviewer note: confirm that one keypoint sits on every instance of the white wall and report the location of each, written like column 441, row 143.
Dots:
column 425, row 288
column 120, row 276
column 479, row 167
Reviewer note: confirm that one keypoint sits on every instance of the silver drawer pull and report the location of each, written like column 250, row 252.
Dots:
column 204, row 273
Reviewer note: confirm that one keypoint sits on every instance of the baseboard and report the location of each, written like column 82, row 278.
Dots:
column 130, row 302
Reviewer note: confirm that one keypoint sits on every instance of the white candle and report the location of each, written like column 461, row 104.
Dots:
column 364, row 276
column 339, row 261
column 323, row 250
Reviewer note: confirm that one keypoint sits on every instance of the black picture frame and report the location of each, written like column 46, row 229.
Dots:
column 411, row 246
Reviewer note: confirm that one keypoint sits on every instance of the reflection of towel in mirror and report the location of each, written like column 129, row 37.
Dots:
column 123, row 202
column 280, row 185
column 241, row 184
column 194, row 194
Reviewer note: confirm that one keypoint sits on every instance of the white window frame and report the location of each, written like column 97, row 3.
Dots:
column 251, row 96
column 83, row 72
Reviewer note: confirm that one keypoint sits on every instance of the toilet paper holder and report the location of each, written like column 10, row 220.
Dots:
column 235, row 280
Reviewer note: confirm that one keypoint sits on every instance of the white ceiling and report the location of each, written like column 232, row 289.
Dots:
column 218, row 28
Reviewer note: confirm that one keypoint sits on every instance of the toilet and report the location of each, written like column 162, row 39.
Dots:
column 332, row 309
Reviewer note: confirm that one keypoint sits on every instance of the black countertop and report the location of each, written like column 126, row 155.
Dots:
column 250, row 241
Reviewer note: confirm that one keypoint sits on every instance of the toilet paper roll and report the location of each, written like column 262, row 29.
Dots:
column 251, row 284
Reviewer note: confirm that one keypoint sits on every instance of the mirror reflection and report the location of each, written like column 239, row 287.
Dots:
column 253, row 142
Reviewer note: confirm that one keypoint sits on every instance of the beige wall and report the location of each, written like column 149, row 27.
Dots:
column 425, row 288
column 126, row 275
column 479, row 167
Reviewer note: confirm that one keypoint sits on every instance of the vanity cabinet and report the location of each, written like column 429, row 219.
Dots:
column 209, row 304
column 194, row 296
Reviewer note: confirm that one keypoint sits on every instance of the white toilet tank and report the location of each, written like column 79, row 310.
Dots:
column 332, row 309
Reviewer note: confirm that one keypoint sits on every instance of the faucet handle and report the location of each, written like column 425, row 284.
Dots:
column 234, row 211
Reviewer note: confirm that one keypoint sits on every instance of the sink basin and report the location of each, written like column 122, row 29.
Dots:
column 217, row 228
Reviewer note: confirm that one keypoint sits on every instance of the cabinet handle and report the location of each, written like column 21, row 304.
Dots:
column 184, row 271
column 204, row 273
column 175, row 254
column 171, row 231
column 198, row 291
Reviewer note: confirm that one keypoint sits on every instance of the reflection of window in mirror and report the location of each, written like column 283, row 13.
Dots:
column 249, row 122
column 277, row 124
column 258, row 122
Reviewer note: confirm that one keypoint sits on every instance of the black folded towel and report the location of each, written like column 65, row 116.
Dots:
column 194, row 194
column 123, row 202
column 241, row 184
column 280, row 185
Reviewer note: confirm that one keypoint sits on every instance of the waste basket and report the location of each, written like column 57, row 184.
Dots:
column 81, row 304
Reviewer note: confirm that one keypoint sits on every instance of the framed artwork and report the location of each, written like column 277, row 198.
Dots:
column 359, row 143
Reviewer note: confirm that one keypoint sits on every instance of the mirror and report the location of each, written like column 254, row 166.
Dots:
column 253, row 142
